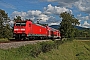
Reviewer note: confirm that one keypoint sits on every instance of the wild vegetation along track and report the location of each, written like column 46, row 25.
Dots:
column 16, row 44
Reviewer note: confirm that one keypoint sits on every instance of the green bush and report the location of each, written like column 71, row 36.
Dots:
column 36, row 50
column 46, row 46
column 57, row 43
column 23, row 50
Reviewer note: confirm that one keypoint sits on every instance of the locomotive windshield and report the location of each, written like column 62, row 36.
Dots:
column 20, row 24
column 23, row 24
column 17, row 24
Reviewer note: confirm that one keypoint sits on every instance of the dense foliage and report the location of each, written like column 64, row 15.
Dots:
column 44, row 47
column 67, row 25
column 5, row 31
column 18, row 18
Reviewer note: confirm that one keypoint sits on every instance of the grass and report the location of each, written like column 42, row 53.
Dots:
column 3, row 40
column 75, row 50
column 81, row 50
column 86, row 42
column 68, row 51
column 6, row 39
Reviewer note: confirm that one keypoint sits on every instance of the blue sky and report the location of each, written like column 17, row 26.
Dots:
column 48, row 10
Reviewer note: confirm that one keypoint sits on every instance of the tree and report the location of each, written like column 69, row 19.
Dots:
column 7, row 31
column 18, row 18
column 67, row 24
column 3, row 24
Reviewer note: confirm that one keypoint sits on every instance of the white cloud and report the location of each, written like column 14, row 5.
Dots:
column 31, row 14
column 86, row 24
column 27, row 15
column 55, row 10
column 64, row 3
column 83, row 5
column 79, row 15
column 83, row 17
column 16, row 13
column 34, row 12
column 37, row 14
column 43, row 17
column 54, row 23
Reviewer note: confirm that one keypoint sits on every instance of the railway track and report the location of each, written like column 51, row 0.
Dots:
column 16, row 44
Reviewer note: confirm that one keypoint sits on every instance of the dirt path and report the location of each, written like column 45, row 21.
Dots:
column 18, row 44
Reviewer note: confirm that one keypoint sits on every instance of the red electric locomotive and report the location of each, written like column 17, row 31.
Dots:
column 53, row 33
column 29, row 30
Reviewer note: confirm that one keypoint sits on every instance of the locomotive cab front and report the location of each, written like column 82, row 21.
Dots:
column 21, row 29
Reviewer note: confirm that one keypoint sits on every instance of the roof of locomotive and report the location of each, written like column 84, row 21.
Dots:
column 23, row 21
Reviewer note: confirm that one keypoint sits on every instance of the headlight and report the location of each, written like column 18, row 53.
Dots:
column 15, row 29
